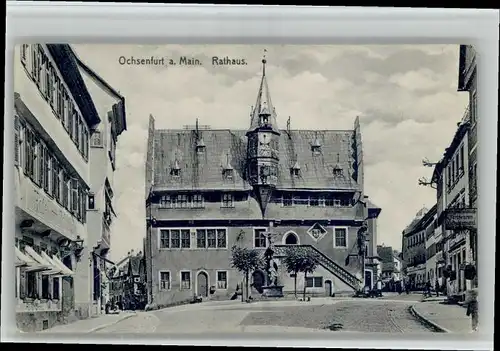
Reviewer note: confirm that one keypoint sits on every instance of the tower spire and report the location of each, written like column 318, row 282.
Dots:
column 263, row 106
column 264, row 61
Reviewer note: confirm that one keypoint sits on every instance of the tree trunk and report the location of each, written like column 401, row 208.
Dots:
column 305, row 286
column 246, row 285
column 295, row 285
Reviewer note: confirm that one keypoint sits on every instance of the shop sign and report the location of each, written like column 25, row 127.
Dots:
column 460, row 218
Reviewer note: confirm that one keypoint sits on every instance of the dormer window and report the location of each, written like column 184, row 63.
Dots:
column 316, row 147
column 338, row 171
column 228, row 173
column 175, row 171
column 295, row 170
column 200, row 146
column 227, row 169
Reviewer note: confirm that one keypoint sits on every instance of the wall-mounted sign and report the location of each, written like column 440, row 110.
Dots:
column 460, row 218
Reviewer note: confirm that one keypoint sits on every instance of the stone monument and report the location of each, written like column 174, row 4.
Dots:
column 272, row 287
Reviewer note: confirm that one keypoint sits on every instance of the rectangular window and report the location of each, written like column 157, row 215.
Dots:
column 71, row 120
column 185, row 280
column 31, row 285
column 55, row 179
column 211, row 239
column 65, row 191
column 260, row 240
column 55, row 288
column 76, row 130
column 221, row 239
column 49, row 84
column 164, row 239
column 227, row 200
column 201, row 240
column 287, row 200
column 185, row 238
column 45, row 286
column 222, row 280
column 197, row 201
column 46, row 170
column 340, row 238
column 182, row 201
column 165, row 201
column 318, row 282
column 165, row 280
column 66, row 107
column 74, row 196
column 36, row 147
column 313, row 201
column 175, row 239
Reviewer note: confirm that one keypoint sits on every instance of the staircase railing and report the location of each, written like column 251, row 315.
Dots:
column 333, row 267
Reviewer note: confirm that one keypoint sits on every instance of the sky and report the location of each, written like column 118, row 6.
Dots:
column 405, row 96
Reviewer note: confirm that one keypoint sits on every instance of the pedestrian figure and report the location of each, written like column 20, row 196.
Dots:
column 472, row 308
column 437, row 288
column 428, row 289
column 407, row 287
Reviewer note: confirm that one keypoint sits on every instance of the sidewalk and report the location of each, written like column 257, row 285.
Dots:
column 91, row 325
column 445, row 318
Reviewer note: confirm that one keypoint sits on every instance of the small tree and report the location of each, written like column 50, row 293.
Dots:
column 309, row 264
column 245, row 260
column 294, row 261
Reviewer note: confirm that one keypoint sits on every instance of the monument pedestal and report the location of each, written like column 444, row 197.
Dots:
column 273, row 291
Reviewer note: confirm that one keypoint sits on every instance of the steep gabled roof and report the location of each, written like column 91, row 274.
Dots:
column 122, row 123
column 67, row 65
column 203, row 171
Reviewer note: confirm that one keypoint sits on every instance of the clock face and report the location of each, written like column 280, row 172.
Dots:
column 265, row 138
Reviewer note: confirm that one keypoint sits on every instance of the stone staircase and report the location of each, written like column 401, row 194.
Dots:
column 337, row 270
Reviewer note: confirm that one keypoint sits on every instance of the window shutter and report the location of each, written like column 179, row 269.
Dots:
column 74, row 195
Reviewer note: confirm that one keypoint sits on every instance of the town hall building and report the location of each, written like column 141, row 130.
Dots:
column 208, row 190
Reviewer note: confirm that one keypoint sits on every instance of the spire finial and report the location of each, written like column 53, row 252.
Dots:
column 264, row 61
column 338, row 157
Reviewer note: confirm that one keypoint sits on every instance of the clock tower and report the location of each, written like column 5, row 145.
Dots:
column 263, row 145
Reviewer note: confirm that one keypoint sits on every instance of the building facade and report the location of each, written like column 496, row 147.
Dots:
column 432, row 269
column 414, row 248
column 208, row 190
column 55, row 115
column 128, row 282
column 391, row 267
column 100, row 200
column 451, row 175
column 468, row 83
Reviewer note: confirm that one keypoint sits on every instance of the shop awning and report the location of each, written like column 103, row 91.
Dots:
column 20, row 259
column 55, row 269
column 65, row 271
column 32, row 264
column 39, row 260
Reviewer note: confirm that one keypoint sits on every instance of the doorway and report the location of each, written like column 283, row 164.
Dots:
column 202, row 284
column 368, row 279
column 328, row 288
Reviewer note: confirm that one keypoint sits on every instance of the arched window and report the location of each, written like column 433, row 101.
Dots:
column 291, row 239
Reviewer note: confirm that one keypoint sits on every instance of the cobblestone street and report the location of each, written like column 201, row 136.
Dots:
column 350, row 315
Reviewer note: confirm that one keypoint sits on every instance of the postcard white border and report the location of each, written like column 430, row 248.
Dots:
column 190, row 24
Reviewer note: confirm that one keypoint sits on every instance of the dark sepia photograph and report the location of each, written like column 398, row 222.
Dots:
column 201, row 189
